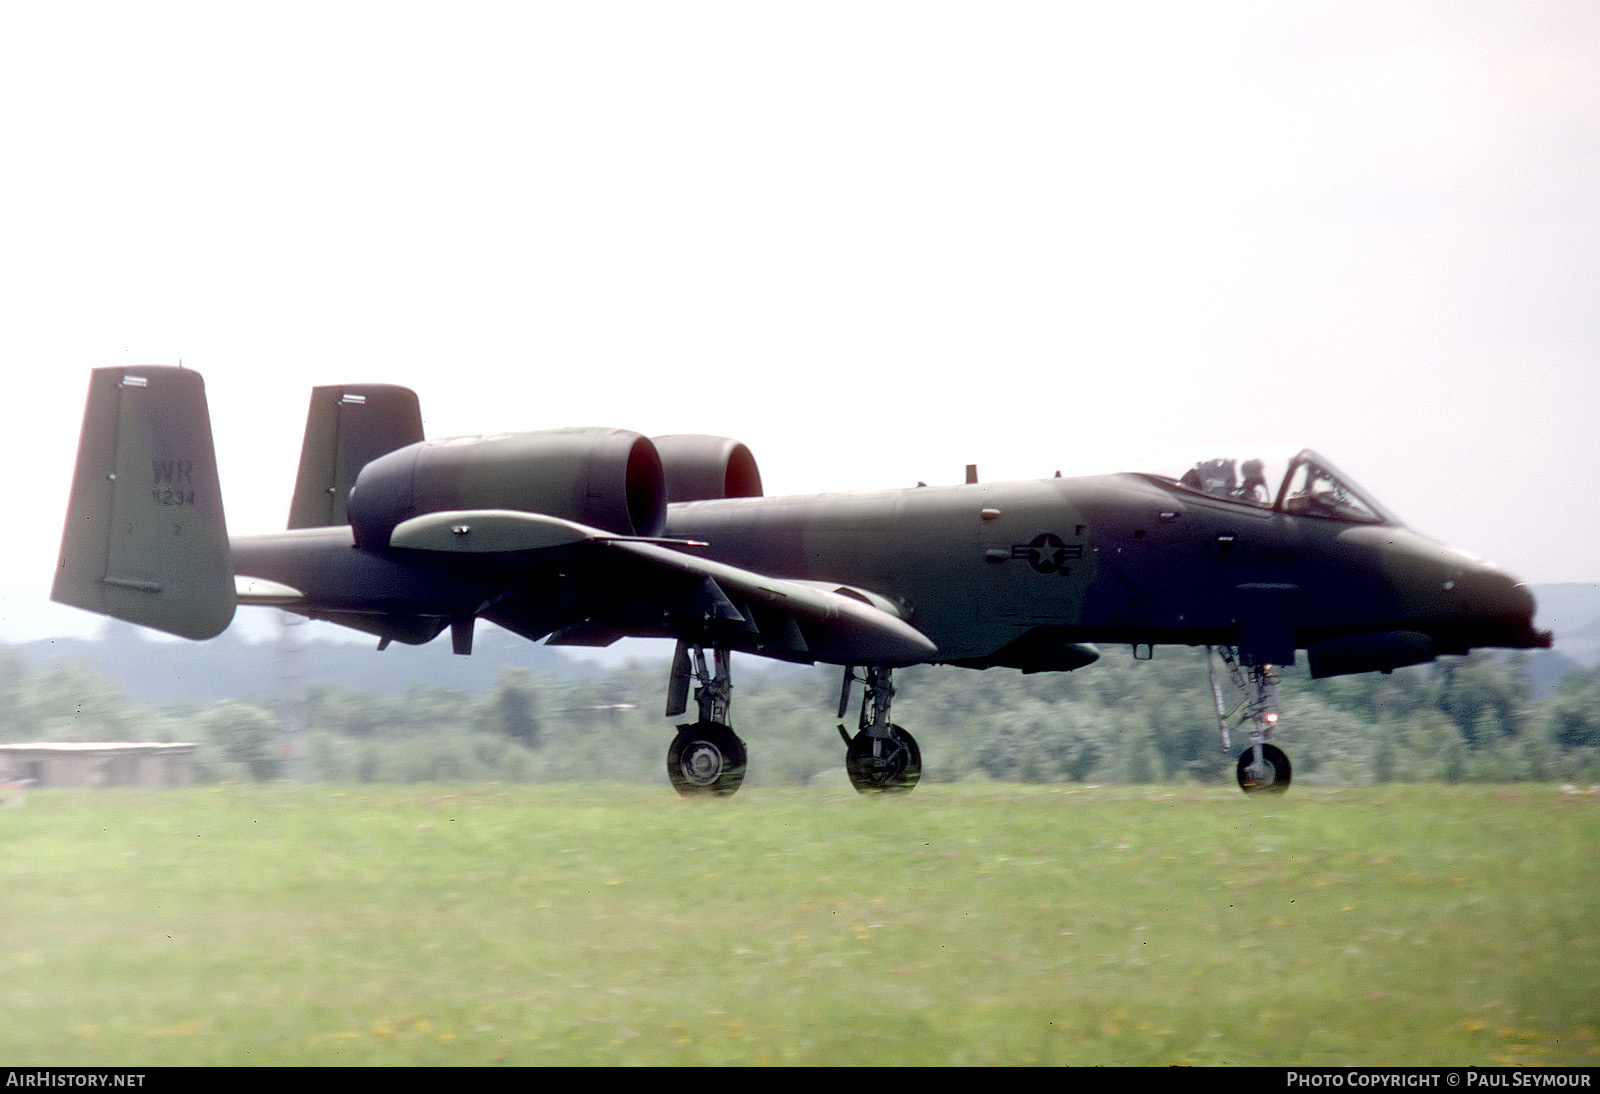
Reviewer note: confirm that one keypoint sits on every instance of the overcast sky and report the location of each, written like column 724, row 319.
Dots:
column 875, row 241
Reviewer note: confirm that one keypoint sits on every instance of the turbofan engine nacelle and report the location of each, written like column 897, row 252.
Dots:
column 705, row 468
column 609, row 479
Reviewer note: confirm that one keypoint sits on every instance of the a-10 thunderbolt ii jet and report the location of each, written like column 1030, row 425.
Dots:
column 585, row 536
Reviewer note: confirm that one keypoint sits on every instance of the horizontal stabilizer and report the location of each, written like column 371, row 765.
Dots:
column 261, row 593
column 145, row 539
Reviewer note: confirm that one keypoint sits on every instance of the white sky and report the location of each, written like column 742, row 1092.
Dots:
column 875, row 241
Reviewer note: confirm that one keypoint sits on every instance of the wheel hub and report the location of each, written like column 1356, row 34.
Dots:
column 703, row 764
column 892, row 763
column 1270, row 772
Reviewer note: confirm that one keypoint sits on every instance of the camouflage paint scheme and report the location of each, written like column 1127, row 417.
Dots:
column 584, row 536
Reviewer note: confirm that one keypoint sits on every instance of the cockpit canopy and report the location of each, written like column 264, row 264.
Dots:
column 1304, row 485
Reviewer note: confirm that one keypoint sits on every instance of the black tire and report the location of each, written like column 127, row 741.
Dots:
column 1256, row 783
column 895, row 769
column 706, row 758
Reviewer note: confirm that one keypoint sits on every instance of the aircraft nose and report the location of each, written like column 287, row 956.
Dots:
column 1495, row 595
column 1495, row 598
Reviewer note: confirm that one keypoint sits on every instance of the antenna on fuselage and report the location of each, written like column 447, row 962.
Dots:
column 972, row 473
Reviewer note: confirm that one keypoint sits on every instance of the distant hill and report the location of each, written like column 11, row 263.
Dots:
column 1572, row 611
column 154, row 670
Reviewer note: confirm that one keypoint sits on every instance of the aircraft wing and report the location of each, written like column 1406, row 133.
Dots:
column 614, row 586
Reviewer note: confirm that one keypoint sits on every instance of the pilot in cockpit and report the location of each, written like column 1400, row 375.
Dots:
column 1253, row 488
column 1219, row 479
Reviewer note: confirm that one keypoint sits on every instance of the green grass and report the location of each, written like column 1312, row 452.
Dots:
column 960, row 925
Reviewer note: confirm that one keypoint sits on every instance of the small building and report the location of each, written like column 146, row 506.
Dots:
column 97, row 763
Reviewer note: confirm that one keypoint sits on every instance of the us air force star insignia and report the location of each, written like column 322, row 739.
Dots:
column 1046, row 553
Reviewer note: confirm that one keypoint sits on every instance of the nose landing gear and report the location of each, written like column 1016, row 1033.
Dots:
column 1263, row 767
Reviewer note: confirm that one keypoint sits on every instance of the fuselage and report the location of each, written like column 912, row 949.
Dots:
column 1115, row 558
column 1011, row 573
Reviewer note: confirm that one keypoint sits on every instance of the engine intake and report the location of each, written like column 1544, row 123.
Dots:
column 610, row 479
column 705, row 468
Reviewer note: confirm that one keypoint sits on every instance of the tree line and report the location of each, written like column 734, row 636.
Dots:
column 1118, row 721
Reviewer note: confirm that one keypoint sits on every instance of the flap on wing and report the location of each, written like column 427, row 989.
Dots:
column 866, row 596
column 838, row 623
column 821, row 621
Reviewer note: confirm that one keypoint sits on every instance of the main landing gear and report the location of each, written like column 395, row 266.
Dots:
column 1262, row 766
column 881, row 757
column 707, row 757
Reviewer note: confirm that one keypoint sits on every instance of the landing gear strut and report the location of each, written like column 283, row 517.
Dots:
column 706, row 757
column 881, row 756
column 1262, row 766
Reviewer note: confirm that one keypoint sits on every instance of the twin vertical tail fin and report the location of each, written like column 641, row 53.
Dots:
column 145, row 539
column 347, row 427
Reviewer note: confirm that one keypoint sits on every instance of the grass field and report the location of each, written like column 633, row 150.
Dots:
column 960, row 925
